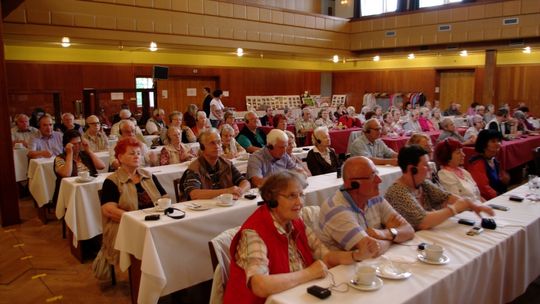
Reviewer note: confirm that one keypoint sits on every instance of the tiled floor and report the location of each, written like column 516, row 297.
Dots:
column 36, row 266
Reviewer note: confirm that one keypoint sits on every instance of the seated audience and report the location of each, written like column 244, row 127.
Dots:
column 370, row 145
column 324, row 119
column 424, row 141
column 322, row 158
column 270, row 159
column 251, row 137
column 190, row 115
column 413, row 125
column 231, row 148
column 125, row 114
column 436, row 118
column 274, row 250
column 304, row 126
column 174, row 152
column 388, row 125
column 68, row 123
column 522, row 125
column 425, row 120
column 127, row 129
column 175, row 121
column 36, row 115
column 129, row 188
column 155, row 123
column 102, row 116
column 48, row 142
column 280, row 122
column 472, row 109
column 477, row 124
column 485, row 168
column 349, row 119
column 77, row 157
column 23, row 132
column 210, row 174
column 201, row 124
column 423, row 204
column 268, row 118
column 453, row 110
column 94, row 135
column 498, row 123
column 229, row 120
column 380, row 225
column 449, row 131
column 290, row 147
column 453, row 178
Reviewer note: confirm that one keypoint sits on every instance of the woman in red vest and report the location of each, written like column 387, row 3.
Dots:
column 274, row 250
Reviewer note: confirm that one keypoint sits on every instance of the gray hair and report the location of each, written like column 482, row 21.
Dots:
column 226, row 128
column 278, row 181
column 125, row 122
column 445, row 122
column 67, row 114
column 175, row 113
column 274, row 135
column 92, row 117
column 201, row 113
column 203, row 137
column 318, row 131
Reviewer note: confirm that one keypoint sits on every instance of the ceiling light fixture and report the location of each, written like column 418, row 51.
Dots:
column 65, row 42
column 376, row 58
column 239, row 52
column 344, row 2
column 335, row 58
column 527, row 50
column 153, row 46
column 411, row 56
column 463, row 53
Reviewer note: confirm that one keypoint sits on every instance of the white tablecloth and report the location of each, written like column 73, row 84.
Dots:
column 494, row 267
column 175, row 254
column 20, row 161
column 41, row 177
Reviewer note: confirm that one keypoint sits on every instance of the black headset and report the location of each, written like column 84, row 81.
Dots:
column 272, row 203
column 354, row 185
column 414, row 170
column 201, row 146
column 169, row 211
column 270, row 146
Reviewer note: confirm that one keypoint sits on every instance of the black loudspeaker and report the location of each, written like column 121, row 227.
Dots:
column 414, row 170
column 201, row 146
column 272, row 203
column 160, row 72
column 270, row 147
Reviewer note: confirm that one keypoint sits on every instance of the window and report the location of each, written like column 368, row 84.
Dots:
column 428, row 3
column 371, row 7
column 144, row 83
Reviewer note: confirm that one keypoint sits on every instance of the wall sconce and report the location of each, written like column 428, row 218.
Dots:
column 65, row 42
column 153, row 46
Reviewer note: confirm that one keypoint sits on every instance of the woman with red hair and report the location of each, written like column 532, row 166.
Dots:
column 129, row 188
column 456, row 180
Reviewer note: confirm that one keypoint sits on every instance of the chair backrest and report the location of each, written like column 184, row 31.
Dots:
column 220, row 256
column 179, row 188
column 176, row 183
column 310, row 216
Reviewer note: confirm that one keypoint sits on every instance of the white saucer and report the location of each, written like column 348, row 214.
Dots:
column 392, row 273
column 378, row 283
column 84, row 180
column 222, row 204
column 442, row 260
column 196, row 207
column 297, row 150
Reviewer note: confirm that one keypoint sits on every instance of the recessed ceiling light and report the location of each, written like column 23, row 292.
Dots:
column 527, row 50
column 153, row 46
column 239, row 52
column 65, row 42
column 463, row 53
column 335, row 58
column 411, row 56
column 376, row 58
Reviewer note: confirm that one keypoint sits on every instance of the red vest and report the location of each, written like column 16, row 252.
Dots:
column 278, row 255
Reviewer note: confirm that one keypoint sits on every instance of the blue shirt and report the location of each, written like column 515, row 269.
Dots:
column 51, row 143
column 262, row 164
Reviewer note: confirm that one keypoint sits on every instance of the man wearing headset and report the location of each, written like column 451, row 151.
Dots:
column 370, row 145
column 272, row 158
column 210, row 174
column 357, row 218
column 251, row 137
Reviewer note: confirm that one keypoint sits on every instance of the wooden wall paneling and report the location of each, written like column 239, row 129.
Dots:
column 479, row 74
column 519, row 83
column 490, row 65
column 458, row 87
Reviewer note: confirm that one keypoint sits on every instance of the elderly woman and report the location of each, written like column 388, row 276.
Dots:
column 322, row 158
column 175, row 152
column 280, row 122
column 129, row 188
column 77, row 157
column 202, row 123
column 424, row 120
column 423, row 204
column 290, row 147
column 324, row 119
column 231, row 148
column 229, row 120
column 424, row 141
column 175, row 121
column 477, row 124
column 485, row 168
column 94, row 135
column 436, row 118
column 456, row 180
column 190, row 115
column 388, row 126
column 449, row 131
column 274, row 250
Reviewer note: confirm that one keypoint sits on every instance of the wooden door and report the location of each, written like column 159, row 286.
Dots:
column 457, row 87
column 176, row 89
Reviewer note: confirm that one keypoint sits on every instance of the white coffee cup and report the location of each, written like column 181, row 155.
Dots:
column 226, row 199
column 84, row 174
column 18, row 146
column 365, row 275
column 163, row 203
column 434, row 252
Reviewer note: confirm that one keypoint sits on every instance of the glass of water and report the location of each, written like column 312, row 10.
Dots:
column 534, row 183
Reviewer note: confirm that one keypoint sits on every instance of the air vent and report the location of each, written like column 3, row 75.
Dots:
column 510, row 21
column 390, row 34
column 445, row 27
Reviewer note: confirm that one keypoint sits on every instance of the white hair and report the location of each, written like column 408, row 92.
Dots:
column 276, row 135
column 124, row 114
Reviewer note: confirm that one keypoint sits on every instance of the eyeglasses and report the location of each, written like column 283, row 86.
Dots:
column 93, row 123
column 376, row 129
column 370, row 178
column 293, row 196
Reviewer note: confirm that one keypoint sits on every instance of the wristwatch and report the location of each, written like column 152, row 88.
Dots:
column 393, row 232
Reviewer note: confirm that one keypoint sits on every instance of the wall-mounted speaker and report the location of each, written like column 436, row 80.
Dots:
column 160, row 72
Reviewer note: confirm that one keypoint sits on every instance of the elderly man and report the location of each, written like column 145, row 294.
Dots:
column 499, row 123
column 271, row 158
column 370, row 145
column 48, row 142
column 477, row 124
column 125, row 114
column 23, row 132
column 251, row 137
column 94, row 135
column 68, row 123
column 127, row 129
column 155, row 123
column 449, row 131
column 304, row 126
column 210, row 174
column 356, row 217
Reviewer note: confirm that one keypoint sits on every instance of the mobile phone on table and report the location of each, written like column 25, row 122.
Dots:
column 319, row 292
column 499, row 207
column 475, row 231
column 516, row 198
column 151, row 217
column 466, row 222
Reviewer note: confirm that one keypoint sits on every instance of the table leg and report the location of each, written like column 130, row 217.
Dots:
column 77, row 252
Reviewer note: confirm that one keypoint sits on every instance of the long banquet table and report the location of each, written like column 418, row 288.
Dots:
column 174, row 253
column 493, row 267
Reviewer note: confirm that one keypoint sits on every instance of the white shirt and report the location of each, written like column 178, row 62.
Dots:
column 219, row 106
column 465, row 187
